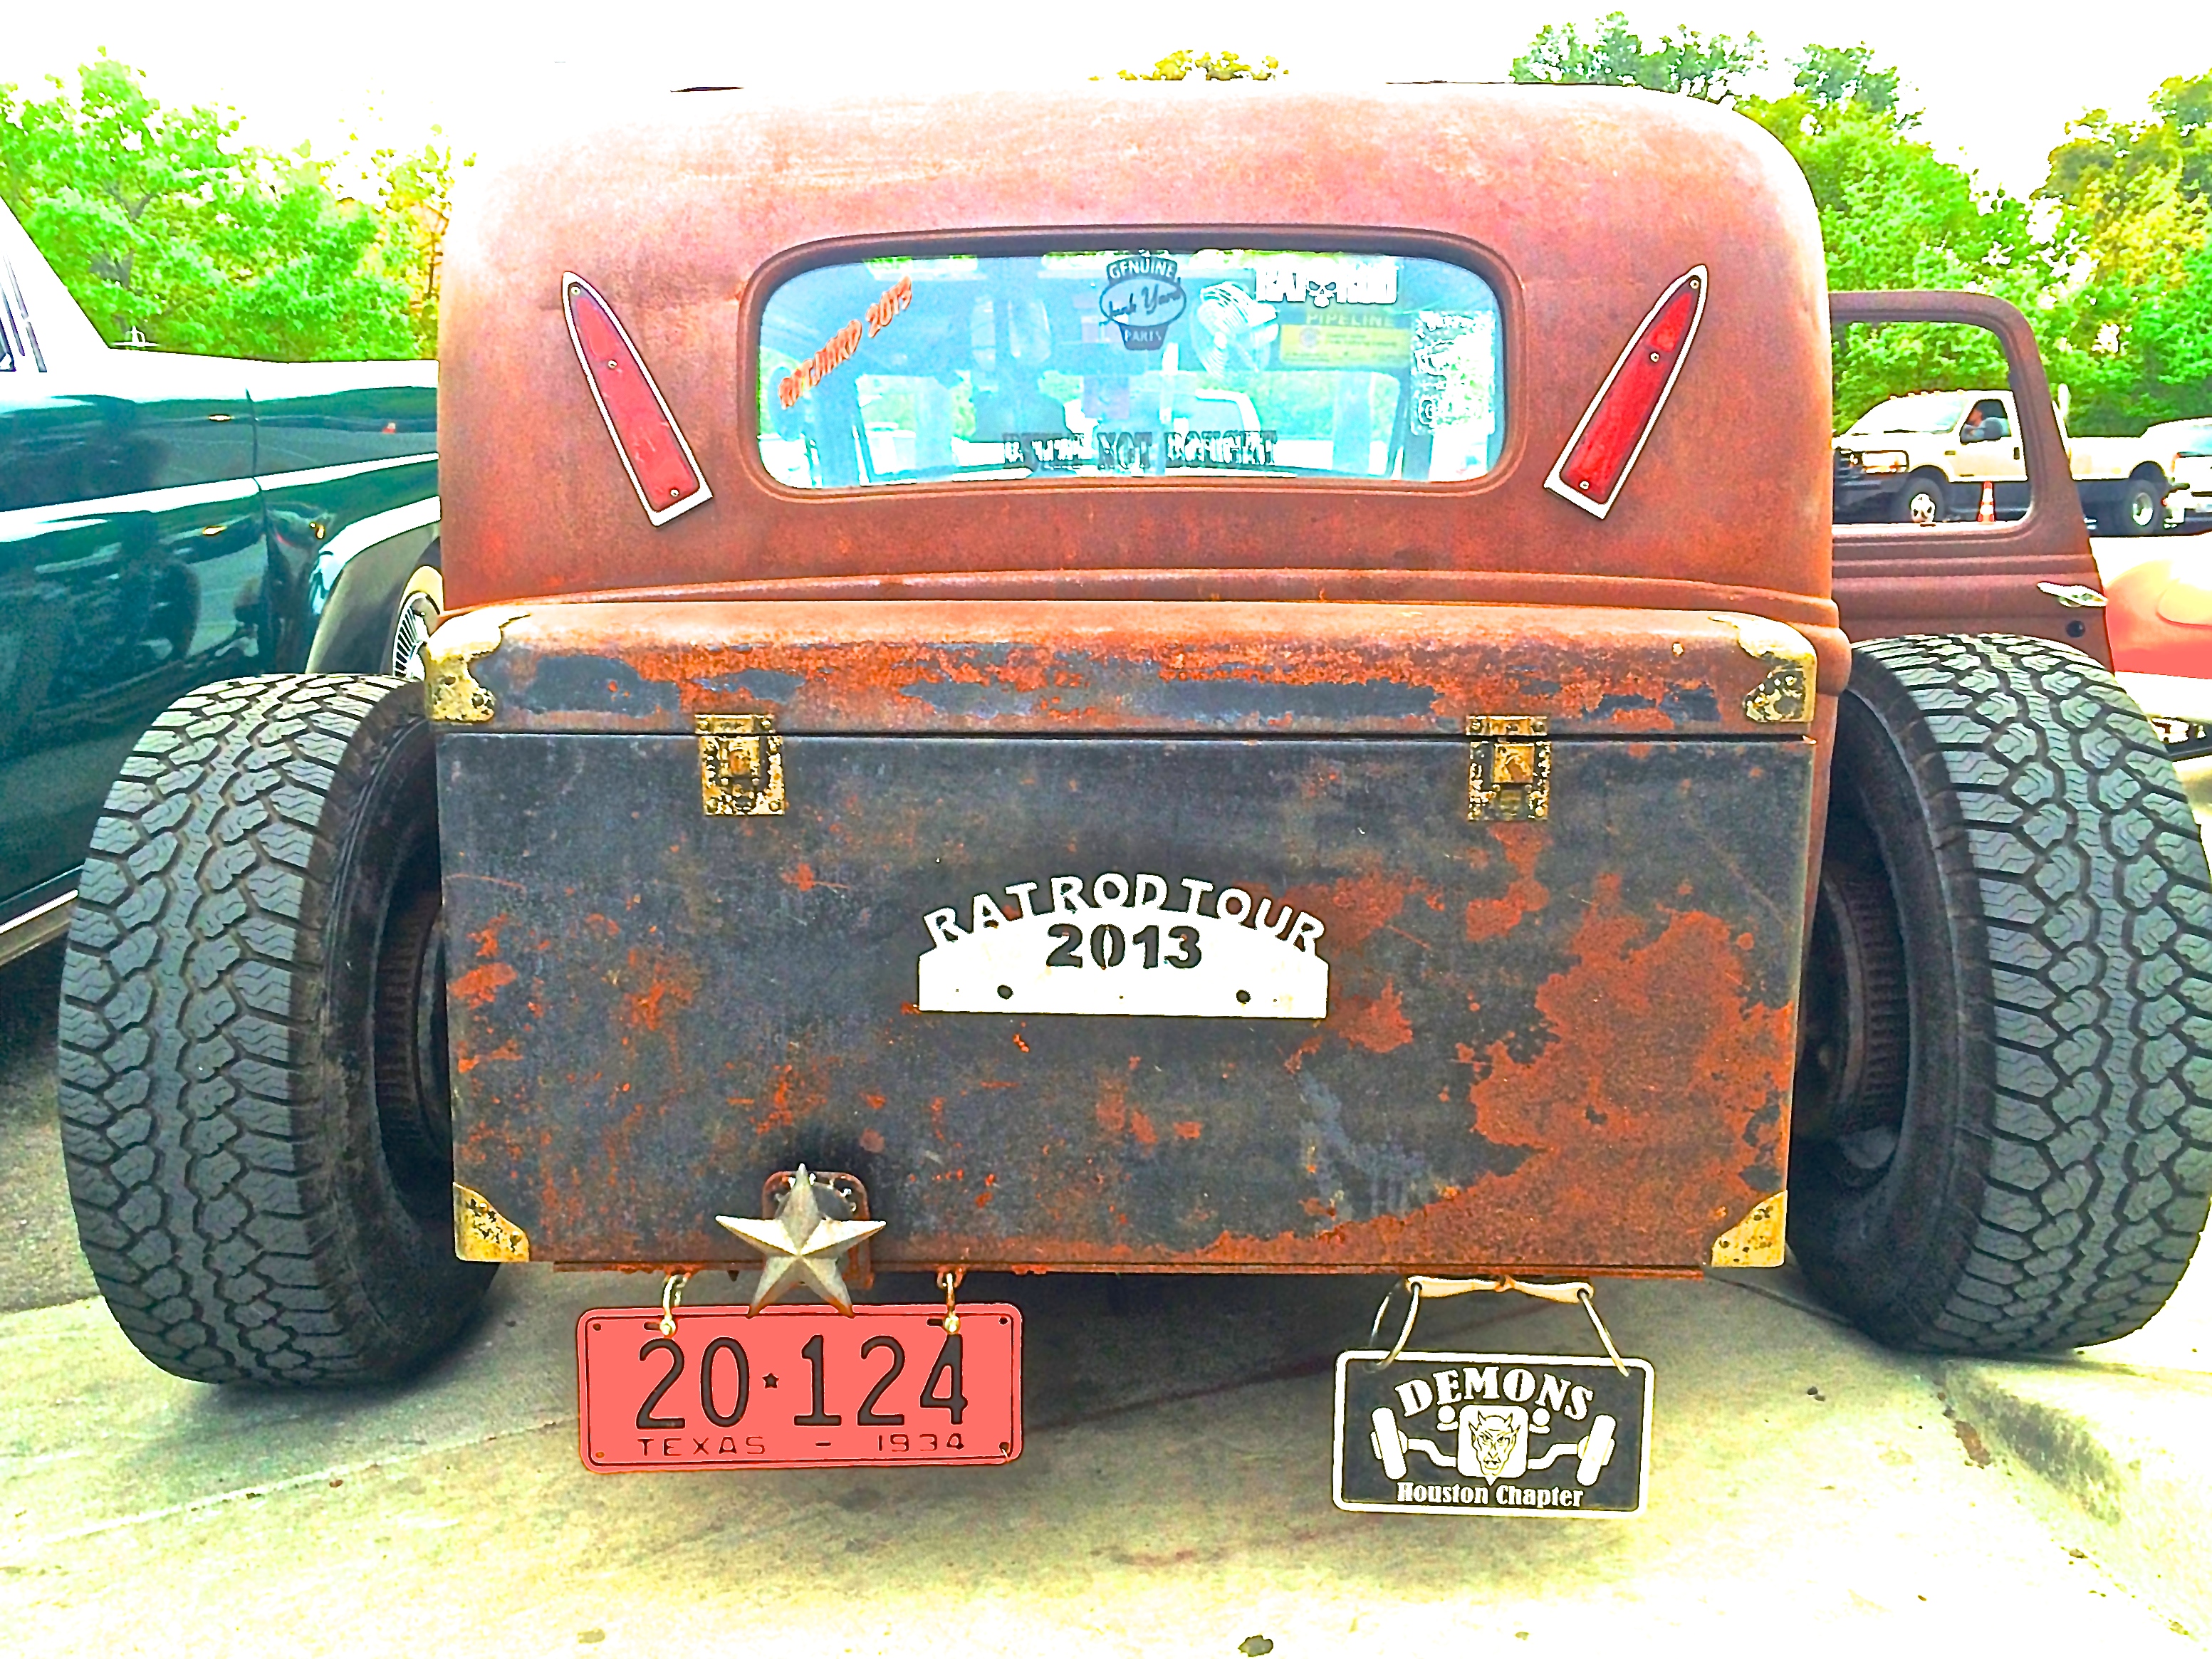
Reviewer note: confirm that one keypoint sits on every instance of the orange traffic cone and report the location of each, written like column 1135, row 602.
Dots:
column 1989, row 513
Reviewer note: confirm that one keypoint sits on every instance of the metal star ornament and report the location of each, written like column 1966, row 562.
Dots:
column 803, row 1246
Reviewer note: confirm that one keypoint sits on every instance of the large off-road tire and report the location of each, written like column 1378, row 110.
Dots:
column 253, row 1101
column 2002, row 1140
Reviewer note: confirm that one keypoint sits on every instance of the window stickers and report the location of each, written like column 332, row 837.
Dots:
column 845, row 342
column 1128, row 364
column 1144, row 299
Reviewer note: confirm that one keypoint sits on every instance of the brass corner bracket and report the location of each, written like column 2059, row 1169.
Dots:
column 450, row 691
column 481, row 1233
column 740, row 766
column 1785, row 697
column 1509, row 768
column 1755, row 1241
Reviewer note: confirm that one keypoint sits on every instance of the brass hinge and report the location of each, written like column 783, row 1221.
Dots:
column 1509, row 768
column 740, row 766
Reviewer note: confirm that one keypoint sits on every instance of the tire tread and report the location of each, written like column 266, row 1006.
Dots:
column 193, row 1073
column 2097, row 907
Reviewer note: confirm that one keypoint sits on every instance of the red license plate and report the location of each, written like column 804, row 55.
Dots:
column 799, row 1387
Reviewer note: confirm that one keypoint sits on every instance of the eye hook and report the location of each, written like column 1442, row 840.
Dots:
column 1412, row 1286
column 671, row 1293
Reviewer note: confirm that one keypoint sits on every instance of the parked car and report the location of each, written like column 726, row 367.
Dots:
column 1925, row 458
column 168, row 520
column 2158, row 617
column 902, row 767
column 2158, row 611
column 2190, row 469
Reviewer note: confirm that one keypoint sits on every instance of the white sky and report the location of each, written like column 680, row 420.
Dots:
column 1998, row 80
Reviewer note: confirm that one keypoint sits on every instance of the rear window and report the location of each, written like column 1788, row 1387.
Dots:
column 1131, row 364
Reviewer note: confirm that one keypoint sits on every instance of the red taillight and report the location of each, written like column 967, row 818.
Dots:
column 654, row 455
column 1598, row 458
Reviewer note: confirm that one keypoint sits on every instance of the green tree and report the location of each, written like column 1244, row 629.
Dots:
column 2134, row 236
column 1833, row 77
column 414, row 206
column 2172, row 332
column 1207, row 66
column 1894, row 215
column 166, row 228
column 1706, row 66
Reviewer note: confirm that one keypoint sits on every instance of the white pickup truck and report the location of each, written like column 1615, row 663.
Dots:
column 1924, row 458
column 2191, row 444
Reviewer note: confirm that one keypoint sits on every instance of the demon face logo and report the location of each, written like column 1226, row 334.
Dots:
column 1493, row 1435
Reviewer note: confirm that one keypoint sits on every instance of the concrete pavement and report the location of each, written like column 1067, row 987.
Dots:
column 40, row 1264
column 1173, row 1498
column 2120, row 1436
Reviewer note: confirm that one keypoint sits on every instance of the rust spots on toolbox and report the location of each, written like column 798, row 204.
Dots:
column 1624, row 1056
column 474, row 986
column 949, row 666
column 654, row 987
column 1522, row 844
column 1598, row 1080
column 480, row 984
column 1376, row 1024
column 1608, row 1065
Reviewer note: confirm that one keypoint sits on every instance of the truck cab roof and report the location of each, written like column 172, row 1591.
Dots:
column 1577, row 208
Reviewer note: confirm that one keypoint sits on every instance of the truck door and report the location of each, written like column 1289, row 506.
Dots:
column 2031, row 573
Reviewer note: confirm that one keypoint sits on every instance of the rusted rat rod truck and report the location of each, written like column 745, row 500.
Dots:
column 1201, row 707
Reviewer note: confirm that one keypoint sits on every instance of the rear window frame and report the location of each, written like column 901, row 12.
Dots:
column 1474, row 256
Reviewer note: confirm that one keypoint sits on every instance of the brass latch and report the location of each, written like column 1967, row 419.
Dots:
column 1509, row 768
column 740, row 766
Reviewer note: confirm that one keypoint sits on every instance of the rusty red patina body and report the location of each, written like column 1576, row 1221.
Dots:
column 1581, row 207
column 1559, row 1043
